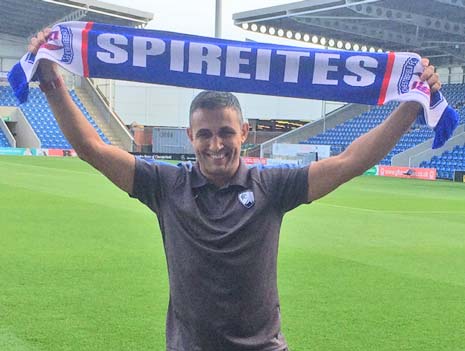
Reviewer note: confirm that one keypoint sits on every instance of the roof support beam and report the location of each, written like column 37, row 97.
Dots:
column 73, row 16
column 452, row 3
column 299, row 12
column 410, row 18
column 360, row 29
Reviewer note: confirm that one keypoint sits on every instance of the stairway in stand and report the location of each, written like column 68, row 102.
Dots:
column 98, row 117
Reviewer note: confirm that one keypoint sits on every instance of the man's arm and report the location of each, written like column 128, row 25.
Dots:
column 116, row 164
column 366, row 151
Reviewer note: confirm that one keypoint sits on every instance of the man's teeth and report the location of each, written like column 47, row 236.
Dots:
column 217, row 157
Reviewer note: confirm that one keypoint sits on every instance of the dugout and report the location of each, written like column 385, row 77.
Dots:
column 459, row 176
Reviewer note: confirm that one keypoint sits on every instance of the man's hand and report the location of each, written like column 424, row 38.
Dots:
column 430, row 76
column 48, row 70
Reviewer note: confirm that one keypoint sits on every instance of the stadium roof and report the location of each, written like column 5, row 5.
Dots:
column 431, row 28
column 24, row 18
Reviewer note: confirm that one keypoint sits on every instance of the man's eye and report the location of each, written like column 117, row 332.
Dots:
column 203, row 135
column 227, row 134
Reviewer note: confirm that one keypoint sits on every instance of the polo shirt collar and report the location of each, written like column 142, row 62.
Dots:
column 240, row 178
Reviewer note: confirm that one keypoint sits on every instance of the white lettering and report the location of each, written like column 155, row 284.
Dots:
column 291, row 69
column 114, row 53
column 143, row 47
column 263, row 64
column 211, row 58
column 363, row 77
column 322, row 68
column 234, row 62
column 177, row 56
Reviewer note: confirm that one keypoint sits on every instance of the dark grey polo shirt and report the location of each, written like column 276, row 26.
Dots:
column 221, row 246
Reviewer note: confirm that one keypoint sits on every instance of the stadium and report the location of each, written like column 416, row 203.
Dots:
column 376, row 265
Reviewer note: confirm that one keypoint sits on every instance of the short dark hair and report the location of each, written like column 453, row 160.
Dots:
column 212, row 100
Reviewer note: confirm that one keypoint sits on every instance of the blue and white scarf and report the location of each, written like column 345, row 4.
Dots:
column 104, row 51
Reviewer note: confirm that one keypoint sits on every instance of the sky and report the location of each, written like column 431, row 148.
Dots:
column 198, row 17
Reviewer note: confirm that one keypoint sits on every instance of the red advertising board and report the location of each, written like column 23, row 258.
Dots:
column 407, row 172
column 254, row 160
column 61, row 152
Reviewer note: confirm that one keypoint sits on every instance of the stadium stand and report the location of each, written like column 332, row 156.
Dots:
column 408, row 29
column 3, row 141
column 447, row 162
column 41, row 118
column 20, row 22
column 343, row 134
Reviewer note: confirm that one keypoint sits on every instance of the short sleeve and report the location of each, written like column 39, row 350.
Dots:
column 147, row 186
column 287, row 186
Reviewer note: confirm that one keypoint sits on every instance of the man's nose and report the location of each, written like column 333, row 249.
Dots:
column 216, row 143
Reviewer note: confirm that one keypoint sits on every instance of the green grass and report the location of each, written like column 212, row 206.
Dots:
column 377, row 265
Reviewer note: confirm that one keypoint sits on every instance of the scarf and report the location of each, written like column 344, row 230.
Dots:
column 113, row 52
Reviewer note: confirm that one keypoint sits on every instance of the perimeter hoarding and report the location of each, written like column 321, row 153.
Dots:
column 407, row 172
column 20, row 151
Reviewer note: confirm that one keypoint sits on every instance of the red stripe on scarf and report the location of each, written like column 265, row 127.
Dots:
column 387, row 77
column 85, row 37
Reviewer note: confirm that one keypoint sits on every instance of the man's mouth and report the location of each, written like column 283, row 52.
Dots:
column 217, row 156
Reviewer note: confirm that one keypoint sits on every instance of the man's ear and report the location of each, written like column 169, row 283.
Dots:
column 244, row 131
column 189, row 134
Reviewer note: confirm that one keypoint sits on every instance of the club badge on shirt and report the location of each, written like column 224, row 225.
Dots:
column 246, row 198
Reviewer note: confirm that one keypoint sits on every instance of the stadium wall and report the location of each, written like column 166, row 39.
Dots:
column 166, row 106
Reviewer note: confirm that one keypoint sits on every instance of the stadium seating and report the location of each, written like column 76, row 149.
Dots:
column 448, row 162
column 41, row 118
column 342, row 135
column 3, row 141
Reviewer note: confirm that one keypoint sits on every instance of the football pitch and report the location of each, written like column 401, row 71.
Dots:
column 379, row 264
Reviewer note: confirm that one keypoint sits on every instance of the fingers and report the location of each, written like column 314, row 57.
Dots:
column 38, row 40
column 47, row 32
column 435, row 86
column 430, row 76
column 33, row 46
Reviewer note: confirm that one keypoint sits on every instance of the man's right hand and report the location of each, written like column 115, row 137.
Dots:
column 48, row 70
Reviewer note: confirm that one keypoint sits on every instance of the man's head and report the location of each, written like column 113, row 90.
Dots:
column 217, row 131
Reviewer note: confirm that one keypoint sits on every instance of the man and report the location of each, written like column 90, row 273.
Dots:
column 220, row 220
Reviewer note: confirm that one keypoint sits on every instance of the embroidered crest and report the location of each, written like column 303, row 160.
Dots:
column 247, row 199
column 408, row 70
column 62, row 40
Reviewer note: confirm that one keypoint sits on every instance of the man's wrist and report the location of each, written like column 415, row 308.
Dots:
column 51, row 84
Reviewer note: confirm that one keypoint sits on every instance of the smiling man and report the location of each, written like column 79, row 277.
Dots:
column 220, row 220
column 217, row 131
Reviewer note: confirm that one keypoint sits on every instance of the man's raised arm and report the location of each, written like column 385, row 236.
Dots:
column 116, row 164
column 366, row 151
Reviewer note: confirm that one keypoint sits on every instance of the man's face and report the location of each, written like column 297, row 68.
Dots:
column 217, row 136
